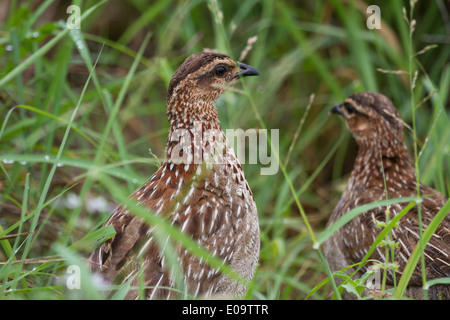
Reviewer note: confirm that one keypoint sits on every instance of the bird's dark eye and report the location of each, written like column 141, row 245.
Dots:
column 350, row 109
column 220, row 71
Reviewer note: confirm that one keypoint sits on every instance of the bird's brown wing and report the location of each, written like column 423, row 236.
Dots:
column 437, row 250
column 197, row 207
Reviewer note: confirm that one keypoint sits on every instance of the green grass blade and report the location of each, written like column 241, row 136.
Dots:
column 52, row 172
column 437, row 281
column 165, row 228
column 87, row 285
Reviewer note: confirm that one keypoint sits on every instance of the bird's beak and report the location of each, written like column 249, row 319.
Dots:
column 246, row 71
column 337, row 109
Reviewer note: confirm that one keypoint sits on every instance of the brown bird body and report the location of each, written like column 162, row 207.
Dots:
column 383, row 170
column 200, row 188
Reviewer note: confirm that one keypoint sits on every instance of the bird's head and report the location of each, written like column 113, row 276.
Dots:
column 372, row 118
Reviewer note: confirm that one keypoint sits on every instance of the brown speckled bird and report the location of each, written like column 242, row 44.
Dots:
column 383, row 169
column 200, row 188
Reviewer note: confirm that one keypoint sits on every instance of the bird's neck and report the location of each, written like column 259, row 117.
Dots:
column 195, row 133
column 379, row 165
